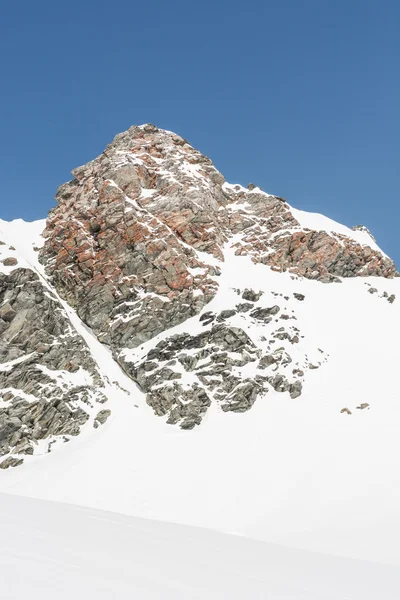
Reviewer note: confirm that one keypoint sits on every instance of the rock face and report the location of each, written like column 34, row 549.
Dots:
column 183, row 374
column 121, row 244
column 138, row 244
column 316, row 255
column 48, row 379
column 133, row 242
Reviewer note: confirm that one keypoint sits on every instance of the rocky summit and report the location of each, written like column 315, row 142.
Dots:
column 155, row 279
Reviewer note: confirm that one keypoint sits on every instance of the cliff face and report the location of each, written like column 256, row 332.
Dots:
column 49, row 381
column 170, row 267
column 137, row 239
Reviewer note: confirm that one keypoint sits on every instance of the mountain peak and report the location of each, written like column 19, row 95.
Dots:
column 158, row 298
column 168, row 265
column 146, row 223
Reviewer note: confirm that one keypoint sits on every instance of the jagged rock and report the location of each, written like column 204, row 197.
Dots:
column 295, row 389
column 318, row 255
column 225, row 314
column 244, row 306
column 101, row 417
column 210, row 356
column 122, row 244
column 181, row 406
column 7, row 313
column 24, row 446
column 298, row 372
column 41, row 353
column 251, row 295
column 279, row 383
column 346, row 410
column 163, row 399
column 148, row 224
column 372, row 290
column 148, row 381
column 11, row 462
column 363, row 405
column 267, row 360
column 23, row 422
column 10, row 261
column 189, row 414
column 265, row 314
column 207, row 318
column 391, row 298
column 242, row 398
column 299, row 296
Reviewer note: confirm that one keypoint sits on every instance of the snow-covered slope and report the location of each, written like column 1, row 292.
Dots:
column 267, row 331
column 292, row 471
column 319, row 222
column 50, row 550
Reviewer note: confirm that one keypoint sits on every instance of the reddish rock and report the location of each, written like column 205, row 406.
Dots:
column 122, row 244
column 10, row 261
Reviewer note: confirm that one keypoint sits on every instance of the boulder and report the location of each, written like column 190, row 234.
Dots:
column 11, row 462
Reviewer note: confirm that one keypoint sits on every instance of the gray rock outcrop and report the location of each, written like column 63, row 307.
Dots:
column 48, row 379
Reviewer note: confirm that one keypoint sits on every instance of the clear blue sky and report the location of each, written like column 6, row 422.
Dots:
column 299, row 96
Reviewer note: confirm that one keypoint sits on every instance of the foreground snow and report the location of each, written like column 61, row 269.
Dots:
column 55, row 551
